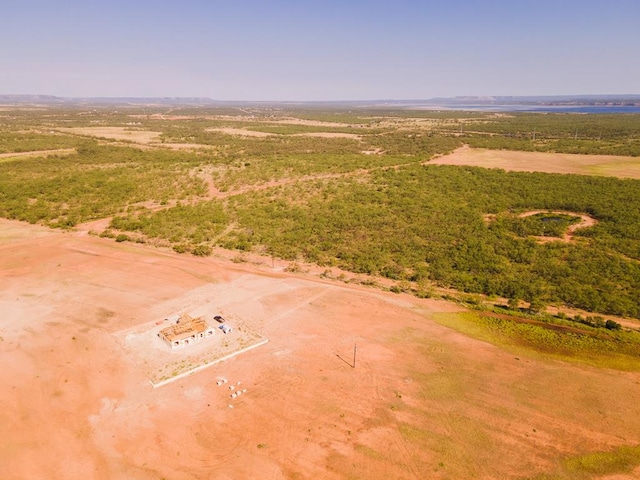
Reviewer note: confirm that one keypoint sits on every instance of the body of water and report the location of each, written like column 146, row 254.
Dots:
column 609, row 109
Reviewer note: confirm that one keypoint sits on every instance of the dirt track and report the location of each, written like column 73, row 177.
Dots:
column 585, row 221
column 422, row 402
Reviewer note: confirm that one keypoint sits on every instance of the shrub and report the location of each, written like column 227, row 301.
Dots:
column 201, row 250
column 180, row 248
column 611, row 325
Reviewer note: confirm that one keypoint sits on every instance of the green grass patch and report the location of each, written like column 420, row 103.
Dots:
column 413, row 433
column 622, row 460
column 17, row 142
column 369, row 452
column 618, row 350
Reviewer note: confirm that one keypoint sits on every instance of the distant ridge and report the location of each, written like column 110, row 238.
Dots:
column 51, row 99
column 631, row 100
column 20, row 98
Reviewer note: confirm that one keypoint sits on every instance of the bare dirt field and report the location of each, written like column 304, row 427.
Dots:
column 311, row 123
column 604, row 165
column 243, row 132
column 422, row 401
column 116, row 133
column 329, row 135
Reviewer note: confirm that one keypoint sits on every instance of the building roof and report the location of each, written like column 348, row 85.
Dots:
column 184, row 328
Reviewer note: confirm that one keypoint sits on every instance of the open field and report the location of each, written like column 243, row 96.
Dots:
column 243, row 132
column 423, row 400
column 127, row 134
column 602, row 165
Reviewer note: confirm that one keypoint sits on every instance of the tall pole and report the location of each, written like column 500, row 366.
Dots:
column 355, row 347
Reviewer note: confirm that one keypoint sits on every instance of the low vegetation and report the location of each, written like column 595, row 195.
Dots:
column 372, row 205
column 544, row 335
column 621, row 461
column 563, row 132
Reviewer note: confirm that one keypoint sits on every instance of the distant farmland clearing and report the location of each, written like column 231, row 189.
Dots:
column 601, row 165
column 116, row 133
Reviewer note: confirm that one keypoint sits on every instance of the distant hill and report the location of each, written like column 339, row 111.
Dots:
column 630, row 99
column 445, row 102
column 51, row 99
column 14, row 99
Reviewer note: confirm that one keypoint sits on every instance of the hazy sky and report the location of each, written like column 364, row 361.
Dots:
column 319, row 50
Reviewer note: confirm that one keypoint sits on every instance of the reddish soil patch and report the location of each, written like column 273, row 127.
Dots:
column 423, row 401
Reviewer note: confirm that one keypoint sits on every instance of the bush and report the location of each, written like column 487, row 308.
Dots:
column 611, row 325
column 536, row 305
column 180, row 248
column 201, row 250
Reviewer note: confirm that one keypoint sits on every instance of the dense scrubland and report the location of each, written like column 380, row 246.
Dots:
column 364, row 199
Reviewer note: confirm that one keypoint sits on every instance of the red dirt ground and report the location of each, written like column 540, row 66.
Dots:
column 423, row 401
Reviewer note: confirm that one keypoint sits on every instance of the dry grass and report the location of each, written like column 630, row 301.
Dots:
column 601, row 165
column 126, row 134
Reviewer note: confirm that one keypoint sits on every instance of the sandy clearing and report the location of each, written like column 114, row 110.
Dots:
column 38, row 153
column 603, row 165
column 254, row 133
column 423, row 401
column 184, row 146
column 375, row 151
column 127, row 134
column 328, row 135
column 283, row 121
column 311, row 123
column 240, row 131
